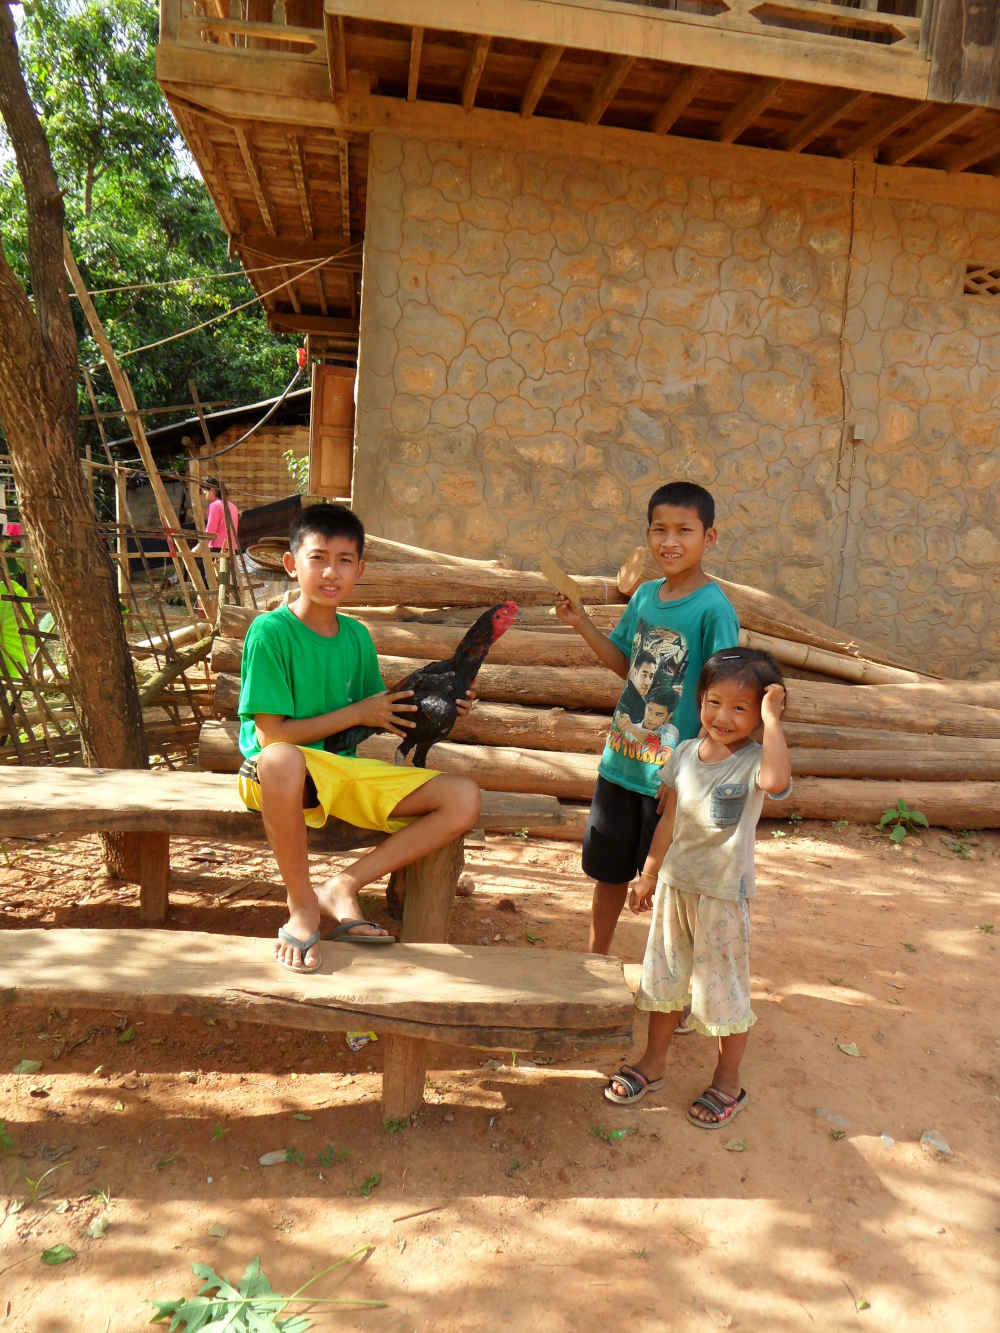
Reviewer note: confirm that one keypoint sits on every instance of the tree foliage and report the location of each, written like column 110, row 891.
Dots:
column 137, row 213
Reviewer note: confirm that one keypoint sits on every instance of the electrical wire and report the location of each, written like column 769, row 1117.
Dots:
column 202, row 458
column 176, row 282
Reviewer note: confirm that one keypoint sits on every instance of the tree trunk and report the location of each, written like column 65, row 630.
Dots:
column 38, row 410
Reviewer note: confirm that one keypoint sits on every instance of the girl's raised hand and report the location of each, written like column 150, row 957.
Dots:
column 773, row 704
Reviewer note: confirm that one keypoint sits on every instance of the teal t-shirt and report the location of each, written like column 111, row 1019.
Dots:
column 291, row 671
column 666, row 644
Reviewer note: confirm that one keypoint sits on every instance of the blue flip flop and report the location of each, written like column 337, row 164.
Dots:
column 301, row 945
column 344, row 936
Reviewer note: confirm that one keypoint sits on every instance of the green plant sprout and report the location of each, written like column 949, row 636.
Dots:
column 250, row 1307
column 899, row 820
column 370, row 1183
column 397, row 1125
column 37, row 1188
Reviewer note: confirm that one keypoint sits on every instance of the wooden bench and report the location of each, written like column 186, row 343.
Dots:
column 490, row 999
column 151, row 806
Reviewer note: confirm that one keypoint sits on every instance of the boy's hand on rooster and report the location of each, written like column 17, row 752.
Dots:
column 463, row 705
column 387, row 712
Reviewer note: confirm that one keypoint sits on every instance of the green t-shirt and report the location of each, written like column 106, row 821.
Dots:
column 291, row 671
column 666, row 644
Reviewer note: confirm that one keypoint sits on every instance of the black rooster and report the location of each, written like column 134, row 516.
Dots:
column 437, row 687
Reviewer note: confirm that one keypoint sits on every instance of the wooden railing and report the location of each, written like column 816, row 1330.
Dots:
column 218, row 23
column 894, row 23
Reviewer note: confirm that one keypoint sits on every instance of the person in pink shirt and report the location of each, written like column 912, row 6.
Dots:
column 215, row 519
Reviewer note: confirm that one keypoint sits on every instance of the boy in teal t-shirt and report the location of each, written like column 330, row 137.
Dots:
column 666, row 633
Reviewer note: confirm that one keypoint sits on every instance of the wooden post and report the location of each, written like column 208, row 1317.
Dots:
column 404, row 1073
column 153, row 872
column 121, row 528
column 429, row 887
column 428, row 890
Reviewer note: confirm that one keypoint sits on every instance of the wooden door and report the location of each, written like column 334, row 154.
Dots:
column 331, row 432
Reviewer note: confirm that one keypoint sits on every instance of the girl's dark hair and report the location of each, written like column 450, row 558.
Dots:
column 748, row 666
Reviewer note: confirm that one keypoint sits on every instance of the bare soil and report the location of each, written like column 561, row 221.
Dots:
column 511, row 1200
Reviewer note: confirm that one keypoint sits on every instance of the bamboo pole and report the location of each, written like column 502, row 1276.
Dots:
column 168, row 515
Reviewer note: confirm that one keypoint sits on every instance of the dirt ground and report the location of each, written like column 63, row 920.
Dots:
column 512, row 1200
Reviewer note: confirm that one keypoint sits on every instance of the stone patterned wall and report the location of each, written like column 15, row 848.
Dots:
column 545, row 340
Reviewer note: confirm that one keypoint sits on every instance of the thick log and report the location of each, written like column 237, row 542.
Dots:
column 817, row 736
column 505, row 768
column 928, row 765
column 436, row 642
column 946, row 804
column 934, row 693
column 454, row 585
column 881, row 707
column 887, row 707
column 486, row 724
column 950, row 805
column 840, row 666
column 382, row 548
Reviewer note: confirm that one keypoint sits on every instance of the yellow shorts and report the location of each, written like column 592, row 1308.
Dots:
column 362, row 792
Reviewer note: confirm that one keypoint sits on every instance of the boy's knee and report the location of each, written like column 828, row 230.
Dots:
column 464, row 801
column 280, row 764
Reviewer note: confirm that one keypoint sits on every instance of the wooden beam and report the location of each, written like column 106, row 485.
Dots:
column 299, row 172
column 413, row 78
column 676, row 153
column 290, row 291
column 978, row 150
column 283, row 322
column 345, row 190
column 878, row 130
column 746, row 111
column 684, row 91
column 826, row 114
column 241, row 84
column 474, row 72
column 256, row 184
column 540, row 76
column 336, row 41
column 926, row 136
column 604, row 94
column 739, row 42
column 279, row 249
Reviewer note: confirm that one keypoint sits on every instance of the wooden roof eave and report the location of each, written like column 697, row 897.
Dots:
column 671, row 36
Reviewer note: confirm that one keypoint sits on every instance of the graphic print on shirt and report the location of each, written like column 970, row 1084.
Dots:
column 641, row 726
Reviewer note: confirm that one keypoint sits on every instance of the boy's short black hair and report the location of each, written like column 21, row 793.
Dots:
column 747, row 666
column 327, row 521
column 686, row 493
column 663, row 695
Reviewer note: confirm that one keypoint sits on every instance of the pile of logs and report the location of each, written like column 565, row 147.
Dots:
column 865, row 728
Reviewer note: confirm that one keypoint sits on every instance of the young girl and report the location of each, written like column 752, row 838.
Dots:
column 698, row 951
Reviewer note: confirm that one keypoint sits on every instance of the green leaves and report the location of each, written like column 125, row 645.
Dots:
column 250, row 1307
column 899, row 820
column 58, row 1254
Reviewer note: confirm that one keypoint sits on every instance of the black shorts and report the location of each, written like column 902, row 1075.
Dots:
column 619, row 831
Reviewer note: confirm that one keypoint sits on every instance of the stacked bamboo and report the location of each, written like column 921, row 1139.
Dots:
column 865, row 729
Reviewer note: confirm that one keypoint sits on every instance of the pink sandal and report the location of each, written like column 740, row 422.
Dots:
column 720, row 1105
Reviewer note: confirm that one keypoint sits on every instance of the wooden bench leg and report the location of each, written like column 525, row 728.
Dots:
column 429, row 885
column 404, row 1072
column 153, row 875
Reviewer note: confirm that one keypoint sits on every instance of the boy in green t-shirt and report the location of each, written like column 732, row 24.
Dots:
column 308, row 673
column 666, row 633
